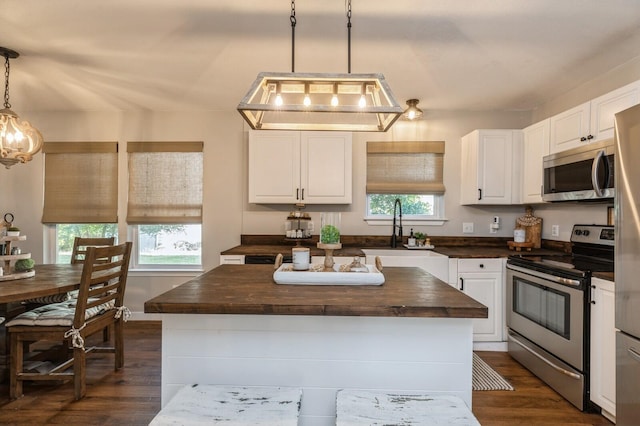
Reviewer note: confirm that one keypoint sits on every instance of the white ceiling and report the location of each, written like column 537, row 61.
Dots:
column 204, row 54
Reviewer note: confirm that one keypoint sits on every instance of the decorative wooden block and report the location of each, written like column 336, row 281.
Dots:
column 208, row 404
column 365, row 408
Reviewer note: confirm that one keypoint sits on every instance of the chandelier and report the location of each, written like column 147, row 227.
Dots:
column 19, row 140
column 320, row 101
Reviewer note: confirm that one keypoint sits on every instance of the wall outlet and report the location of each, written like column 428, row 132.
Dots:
column 467, row 228
column 493, row 228
column 555, row 230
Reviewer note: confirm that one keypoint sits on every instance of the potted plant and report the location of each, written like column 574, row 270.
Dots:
column 420, row 238
column 13, row 232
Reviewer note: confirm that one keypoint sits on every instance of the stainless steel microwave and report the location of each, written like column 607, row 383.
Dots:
column 583, row 173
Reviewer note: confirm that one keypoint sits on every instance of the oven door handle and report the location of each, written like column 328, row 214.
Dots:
column 548, row 277
column 543, row 359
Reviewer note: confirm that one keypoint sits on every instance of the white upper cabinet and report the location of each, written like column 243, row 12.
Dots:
column 591, row 121
column 535, row 147
column 300, row 167
column 488, row 171
column 604, row 108
column 570, row 128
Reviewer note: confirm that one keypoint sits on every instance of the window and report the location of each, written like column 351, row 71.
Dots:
column 410, row 171
column 164, row 210
column 66, row 233
column 80, row 194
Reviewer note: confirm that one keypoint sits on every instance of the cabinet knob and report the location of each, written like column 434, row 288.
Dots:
column 582, row 139
column 481, row 265
column 479, row 193
column 590, row 137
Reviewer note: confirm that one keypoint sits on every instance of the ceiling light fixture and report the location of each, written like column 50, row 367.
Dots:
column 19, row 140
column 320, row 101
column 412, row 112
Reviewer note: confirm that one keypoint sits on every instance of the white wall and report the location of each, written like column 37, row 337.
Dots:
column 435, row 126
column 21, row 191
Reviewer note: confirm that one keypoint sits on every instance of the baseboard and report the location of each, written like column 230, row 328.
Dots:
column 490, row 346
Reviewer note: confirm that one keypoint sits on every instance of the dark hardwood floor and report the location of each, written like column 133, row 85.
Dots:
column 131, row 396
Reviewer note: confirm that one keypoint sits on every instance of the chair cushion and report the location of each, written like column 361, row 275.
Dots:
column 54, row 298
column 57, row 314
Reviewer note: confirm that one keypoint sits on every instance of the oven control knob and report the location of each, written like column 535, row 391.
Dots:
column 578, row 232
column 586, row 232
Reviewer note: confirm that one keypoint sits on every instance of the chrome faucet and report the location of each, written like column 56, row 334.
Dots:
column 397, row 205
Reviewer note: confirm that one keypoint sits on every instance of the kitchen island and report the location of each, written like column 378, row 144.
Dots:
column 235, row 326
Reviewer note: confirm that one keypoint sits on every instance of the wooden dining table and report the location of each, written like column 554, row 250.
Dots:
column 48, row 280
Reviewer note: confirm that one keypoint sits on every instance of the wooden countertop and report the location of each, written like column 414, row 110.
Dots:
column 250, row 289
column 451, row 251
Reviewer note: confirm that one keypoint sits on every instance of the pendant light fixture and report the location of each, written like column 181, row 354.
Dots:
column 320, row 101
column 412, row 112
column 19, row 140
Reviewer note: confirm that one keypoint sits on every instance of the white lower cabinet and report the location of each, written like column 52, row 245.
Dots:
column 603, row 347
column 482, row 279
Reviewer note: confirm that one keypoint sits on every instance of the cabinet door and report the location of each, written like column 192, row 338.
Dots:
column 603, row 347
column 326, row 167
column 274, row 167
column 570, row 128
column 535, row 147
column 604, row 108
column 486, row 289
column 490, row 154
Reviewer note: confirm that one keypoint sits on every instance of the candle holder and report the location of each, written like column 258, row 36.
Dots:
column 329, row 238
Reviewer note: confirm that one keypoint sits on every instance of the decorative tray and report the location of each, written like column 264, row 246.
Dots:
column 314, row 276
column 425, row 247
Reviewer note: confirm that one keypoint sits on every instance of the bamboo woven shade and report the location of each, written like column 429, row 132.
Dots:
column 165, row 182
column 405, row 167
column 80, row 182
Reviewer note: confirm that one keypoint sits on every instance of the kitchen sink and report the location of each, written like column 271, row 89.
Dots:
column 434, row 263
column 400, row 252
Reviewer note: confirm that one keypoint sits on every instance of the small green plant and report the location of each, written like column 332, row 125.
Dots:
column 419, row 236
column 24, row 265
column 329, row 235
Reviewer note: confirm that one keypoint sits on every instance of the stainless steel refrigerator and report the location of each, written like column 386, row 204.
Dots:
column 627, row 266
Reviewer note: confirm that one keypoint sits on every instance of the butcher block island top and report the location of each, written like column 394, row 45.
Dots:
column 250, row 290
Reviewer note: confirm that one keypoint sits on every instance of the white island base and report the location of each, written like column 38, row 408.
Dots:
column 320, row 354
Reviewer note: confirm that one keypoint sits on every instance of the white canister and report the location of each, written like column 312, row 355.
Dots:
column 300, row 258
column 518, row 235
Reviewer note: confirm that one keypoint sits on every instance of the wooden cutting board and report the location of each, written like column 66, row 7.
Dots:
column 532, row 227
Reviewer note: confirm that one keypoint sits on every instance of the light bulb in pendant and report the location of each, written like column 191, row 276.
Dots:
column 362, row 102
column 307, row 100
column 278, row 100
column 334, row 101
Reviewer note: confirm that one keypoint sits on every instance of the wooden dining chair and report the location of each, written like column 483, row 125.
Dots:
column 99, row 304
column 80, row 245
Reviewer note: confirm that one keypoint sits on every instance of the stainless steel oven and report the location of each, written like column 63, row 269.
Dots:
column 548, row 311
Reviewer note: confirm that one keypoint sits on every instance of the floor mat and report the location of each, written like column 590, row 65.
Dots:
column 486, row 378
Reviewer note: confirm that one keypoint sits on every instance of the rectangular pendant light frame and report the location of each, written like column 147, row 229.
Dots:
column 259, row 108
